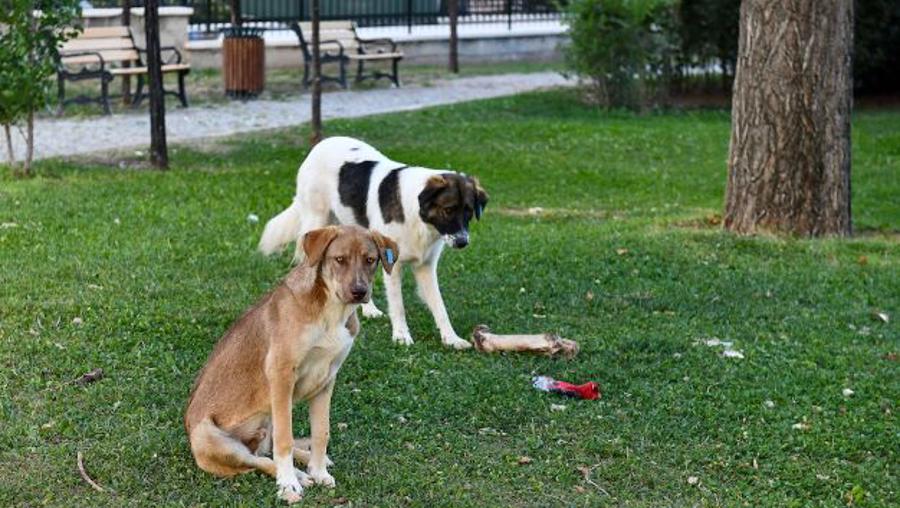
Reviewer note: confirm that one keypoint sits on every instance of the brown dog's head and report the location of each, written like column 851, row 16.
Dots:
column 448, row 202
column 346, row 258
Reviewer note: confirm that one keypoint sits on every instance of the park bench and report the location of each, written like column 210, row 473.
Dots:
column 102, row 53
column 339, row 43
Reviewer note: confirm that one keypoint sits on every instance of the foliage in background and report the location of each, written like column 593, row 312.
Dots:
column 876, row 47
column 621, row 49
column 29, row 40
column 709, row 35
column 700, row 41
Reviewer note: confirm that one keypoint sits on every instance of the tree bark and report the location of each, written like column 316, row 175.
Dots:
column 29, row 144
column 126, row 79
column 10, row 155
column 789, row 161
column 237, row 19
column 316, row 123
column 453, row 12
column 159, row 153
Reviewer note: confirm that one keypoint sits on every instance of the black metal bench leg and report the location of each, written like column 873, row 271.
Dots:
column 396, row 76
column 60, row 93
column 139, row 93
column 359, row 71
column 181, row 94
column 344, row 74
column 104, row 95
column 305, row 73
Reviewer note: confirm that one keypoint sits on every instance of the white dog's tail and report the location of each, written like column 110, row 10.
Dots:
column 281, row 229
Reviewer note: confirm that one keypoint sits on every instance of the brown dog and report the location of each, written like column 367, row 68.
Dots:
column 288, row 347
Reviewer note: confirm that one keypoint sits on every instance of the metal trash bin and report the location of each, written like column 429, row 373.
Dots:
column 243, row 61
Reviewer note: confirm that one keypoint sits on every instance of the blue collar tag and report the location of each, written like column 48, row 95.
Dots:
column 389, row 254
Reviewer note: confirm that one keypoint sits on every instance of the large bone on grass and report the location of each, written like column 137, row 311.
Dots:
column 549, row 344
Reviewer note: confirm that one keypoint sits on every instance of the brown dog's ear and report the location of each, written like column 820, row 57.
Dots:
column 316, row 242
column 481, row 198
column 388, row 252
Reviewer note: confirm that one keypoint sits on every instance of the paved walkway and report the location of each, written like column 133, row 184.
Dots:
column 60, row 137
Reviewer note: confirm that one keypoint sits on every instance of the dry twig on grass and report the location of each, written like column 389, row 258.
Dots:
column 87, row 478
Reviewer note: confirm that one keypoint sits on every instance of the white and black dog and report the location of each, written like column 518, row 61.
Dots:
column 344, row 180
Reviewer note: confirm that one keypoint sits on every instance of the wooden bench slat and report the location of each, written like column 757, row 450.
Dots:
column 114, row 55
column 375, row 56
column 97, row 44
column 130, row 71
column 104, row 31
column 306, row 26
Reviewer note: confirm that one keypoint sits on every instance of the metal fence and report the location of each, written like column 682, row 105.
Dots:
column 211, row 15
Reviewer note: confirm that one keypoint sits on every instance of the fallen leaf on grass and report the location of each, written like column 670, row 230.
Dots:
column 252, row 218
column 800, row 426
column 90, row 377
column 339, row 501
column 77, row 321
column 732, row 353
column 881, row 316
column 557, row 407
column 621, row 251
column 891, row 357
column 863, row 260
column 847, row 392
column 693, row 480
column 589, row 296
column 524, row 460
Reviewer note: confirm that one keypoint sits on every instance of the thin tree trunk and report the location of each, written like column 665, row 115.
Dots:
column 789, row 161
column 126, row 79
column 29, row 144
column 316, row 123
column 159, row 153
column 10, row 155
column 453, row 11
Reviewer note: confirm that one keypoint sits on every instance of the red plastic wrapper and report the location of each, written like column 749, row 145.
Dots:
column 588, row 391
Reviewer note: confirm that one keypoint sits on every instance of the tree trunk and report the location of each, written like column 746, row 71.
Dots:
column 29, row 144
column 453, row 12
column 126, row 79
column 159, row 153
column 316, row 123
column 789, row 162
column 10, row 155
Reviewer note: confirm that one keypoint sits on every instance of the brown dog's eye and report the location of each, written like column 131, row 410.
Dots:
column 448, row 210
column 370, row 260
column 340, row 260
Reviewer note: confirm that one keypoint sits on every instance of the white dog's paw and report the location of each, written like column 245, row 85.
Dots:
column 402, row 338
column 456, row 342
column 321, row 477
column 290, row 491
column 303, row 478
column 370, row 311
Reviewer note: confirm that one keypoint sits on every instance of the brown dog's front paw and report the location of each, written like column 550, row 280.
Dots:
column 291, row 492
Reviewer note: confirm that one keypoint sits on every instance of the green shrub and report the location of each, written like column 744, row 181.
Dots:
column 622, row 50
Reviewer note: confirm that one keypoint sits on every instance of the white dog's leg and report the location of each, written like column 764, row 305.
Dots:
column 369, row 310
column 394, row 290
column 426, row 279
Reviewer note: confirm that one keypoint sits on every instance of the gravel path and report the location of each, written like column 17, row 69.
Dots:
column 60, row 137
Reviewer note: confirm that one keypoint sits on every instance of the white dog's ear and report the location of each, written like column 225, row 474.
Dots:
column 481, row 197
column 316, row 242
column 388, row 252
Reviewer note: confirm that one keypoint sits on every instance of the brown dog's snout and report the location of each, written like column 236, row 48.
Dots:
column 359, row 292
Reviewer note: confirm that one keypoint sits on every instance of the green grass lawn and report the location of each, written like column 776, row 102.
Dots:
column 625, row 259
